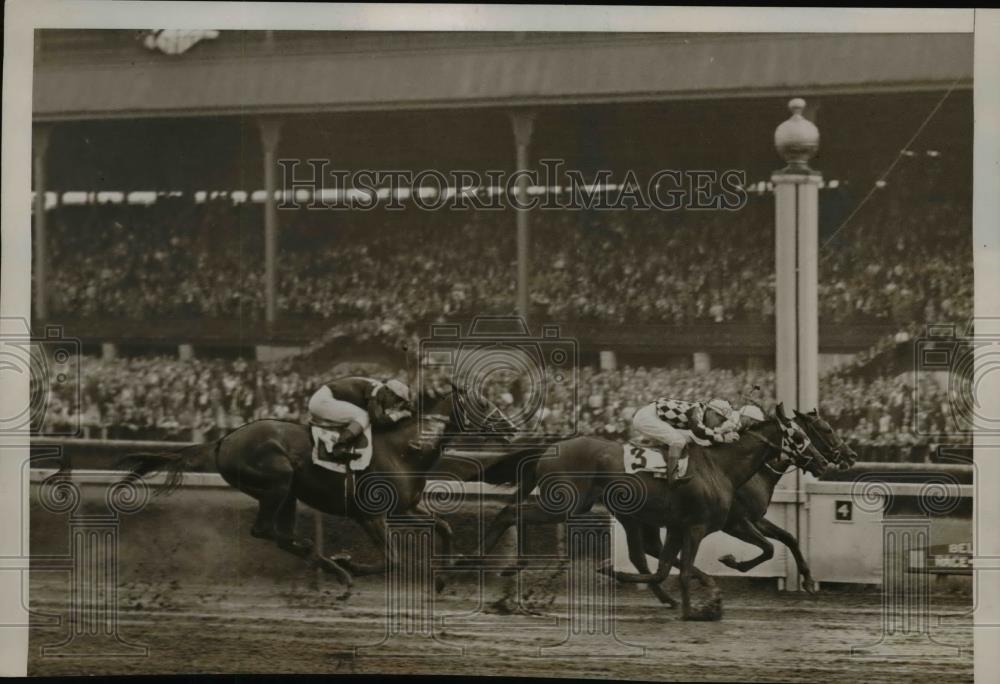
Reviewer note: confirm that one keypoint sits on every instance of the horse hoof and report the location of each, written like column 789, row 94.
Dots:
column 439, row 584
column 667, row 601
column 300, row 547
column 343, row 560
column 333, row 567
column 260, row 533
column 810, row 585
column 711, row 612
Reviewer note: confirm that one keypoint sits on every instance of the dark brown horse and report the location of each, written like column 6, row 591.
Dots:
column 746, row 520
column 746, row 517
column 271, row 461
column 584, row 469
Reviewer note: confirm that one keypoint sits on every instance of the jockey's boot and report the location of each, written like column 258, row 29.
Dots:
column 674, row 456
column 346, row 439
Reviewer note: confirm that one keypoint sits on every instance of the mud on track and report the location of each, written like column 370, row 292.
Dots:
column 764, row 635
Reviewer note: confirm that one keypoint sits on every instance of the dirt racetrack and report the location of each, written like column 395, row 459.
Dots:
column 274, row 628
column 203, row 596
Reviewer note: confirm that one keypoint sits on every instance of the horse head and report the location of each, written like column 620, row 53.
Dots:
column 797, row 447
column 828, row 442
column 456, row 413
column 477, row 414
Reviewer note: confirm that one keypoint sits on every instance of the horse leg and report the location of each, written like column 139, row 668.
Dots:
column 446, row 535
column 268, row 477
column 744, row 530
column 635, row 533
column 668, row 552
column 769, row 529
column 272, row 479
column 651, row 536
column 528, row 513
column 692, row 540
column 284, row 529
column 375, row 527
column 442, row 528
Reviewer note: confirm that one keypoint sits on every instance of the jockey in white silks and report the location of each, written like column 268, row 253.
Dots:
column 674, row 423
column 349, row 405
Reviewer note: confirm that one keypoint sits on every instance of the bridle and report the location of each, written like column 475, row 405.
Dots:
column 825, row 445
column 786, row 448
column 497, row 412
column 445, row 420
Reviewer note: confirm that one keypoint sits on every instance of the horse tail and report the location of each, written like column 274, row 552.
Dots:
column 517, row 467
column 173, row 463
column 528, row 480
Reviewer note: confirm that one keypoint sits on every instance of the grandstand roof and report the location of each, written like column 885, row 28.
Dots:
column 331, row 71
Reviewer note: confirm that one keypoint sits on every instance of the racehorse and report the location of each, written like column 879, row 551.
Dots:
column 584, row 469
column 746, row 520
column 746, row 517
column 271, row 460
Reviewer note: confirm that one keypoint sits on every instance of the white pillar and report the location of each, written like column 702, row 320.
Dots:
column 701, row 362
column 796, row 306
column 796, row 199
column 523, row 123
column 609, row 361
column 40, row 246
column 796, row 196
column 270, row 134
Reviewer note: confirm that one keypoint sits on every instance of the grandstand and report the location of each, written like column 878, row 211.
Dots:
column 160, row 245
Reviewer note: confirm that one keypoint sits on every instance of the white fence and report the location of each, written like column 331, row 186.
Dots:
column 841, row 526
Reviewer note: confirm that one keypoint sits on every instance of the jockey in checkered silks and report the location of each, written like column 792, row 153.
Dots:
column 350, row 405
column 674, row 423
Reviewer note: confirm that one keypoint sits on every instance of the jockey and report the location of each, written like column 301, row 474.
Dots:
column 675, row 423
column 750, row 414
column 351, row 404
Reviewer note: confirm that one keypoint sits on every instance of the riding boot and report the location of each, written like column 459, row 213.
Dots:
column 346, row 439
column 674, row 456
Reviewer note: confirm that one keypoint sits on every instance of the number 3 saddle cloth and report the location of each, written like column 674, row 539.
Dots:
column 640, row 458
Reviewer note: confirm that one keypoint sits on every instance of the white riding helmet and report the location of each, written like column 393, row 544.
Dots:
column 753, row 412
column 399, row 389
column 721, row 406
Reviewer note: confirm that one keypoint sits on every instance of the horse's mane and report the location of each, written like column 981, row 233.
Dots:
column 743, row 429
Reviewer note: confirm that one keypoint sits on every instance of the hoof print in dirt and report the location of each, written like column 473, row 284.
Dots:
column 709, row 612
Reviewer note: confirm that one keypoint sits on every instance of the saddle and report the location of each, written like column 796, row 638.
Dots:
column 639, row 458
column 358, row 458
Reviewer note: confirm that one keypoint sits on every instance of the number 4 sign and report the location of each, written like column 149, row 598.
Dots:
column 843, row 511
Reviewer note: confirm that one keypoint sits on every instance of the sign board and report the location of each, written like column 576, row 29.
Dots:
column 843, row 511
column 946, row 559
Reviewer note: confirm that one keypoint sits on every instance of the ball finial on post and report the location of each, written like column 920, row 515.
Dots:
column 797, row 139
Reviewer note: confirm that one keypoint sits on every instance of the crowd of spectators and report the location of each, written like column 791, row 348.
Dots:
column 904, row 257
column 172, row 399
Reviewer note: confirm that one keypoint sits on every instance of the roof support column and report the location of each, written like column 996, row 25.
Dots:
column 796, row 204
column 39, row 147
column 523, row 123
column 270, row 136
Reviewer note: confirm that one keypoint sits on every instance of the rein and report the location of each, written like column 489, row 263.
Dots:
column 780, row 449
column 776, row 471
